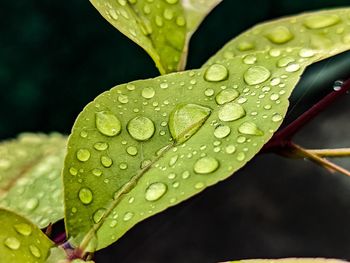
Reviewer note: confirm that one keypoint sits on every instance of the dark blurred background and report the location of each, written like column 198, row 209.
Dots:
column 55, row 57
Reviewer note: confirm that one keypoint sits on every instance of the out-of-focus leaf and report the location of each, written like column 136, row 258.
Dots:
column 30, row 181
column 21, row 241
column 162, row 28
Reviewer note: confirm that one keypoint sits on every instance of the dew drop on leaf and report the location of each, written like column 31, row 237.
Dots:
column 216, row 73
column 240, row 156
column 12, row 243
column 141, row 128
column 101, row 146
column 107, row 123
column 132, row 150
column 284, row 61
column 186, row 119
column 231, row 112
column 256, row 75
column 222, row 131
column 128, row 216
column 206, row 165
column 226, row 95
column 35, row 251
column 85, row 195
column 106, row 161
column 277, row 117
column 148, row 93
column 23, row 229
column 155, row 191
column 96, row 172
column 279, row 35
column 230, row 149
column 245, row 45
column 249, row 59
column 250, row 128
column 83, row 155
column 32, row 204
column 292, row 67
column 321, row 21
column 98, row 215
column 306, row 53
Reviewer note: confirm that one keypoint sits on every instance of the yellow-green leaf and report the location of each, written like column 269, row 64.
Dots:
column 30, row 177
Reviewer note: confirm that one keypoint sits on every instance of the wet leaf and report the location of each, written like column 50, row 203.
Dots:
column 179, row 133
column 162, row 28
column 30, row 181
column 22, row 241
column 289, row 260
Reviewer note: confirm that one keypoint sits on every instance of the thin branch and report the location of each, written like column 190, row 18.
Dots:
column 317, row 159
column 341, row 152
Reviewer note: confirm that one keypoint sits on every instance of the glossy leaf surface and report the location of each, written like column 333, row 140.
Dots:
column 162, row 28
column 21, row 241
column 178, row 134
column 30, row 181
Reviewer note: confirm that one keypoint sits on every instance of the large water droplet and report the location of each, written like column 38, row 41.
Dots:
column 107, row 123
column 98, row 215
column 12, row 243
column 222, row 131
column 250, row 128
column 215, row 73
column 279, row 35
column 83, row 155
column 155, row 191
column 85, row 195
column 148, row 93
column 186, row 119
column 321, row 21
column 206, row 165
column 141, row 128
column 23, row 229
column 106, row 161
column 226, row 95
column 231, row 112
column 256, row 75
column 35, row 251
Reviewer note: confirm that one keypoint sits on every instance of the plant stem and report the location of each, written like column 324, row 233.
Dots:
column 341, row 152
column 298, row 150
column 60, row 238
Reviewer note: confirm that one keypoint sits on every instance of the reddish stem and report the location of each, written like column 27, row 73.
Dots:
column 60, row 238
column 282, row 138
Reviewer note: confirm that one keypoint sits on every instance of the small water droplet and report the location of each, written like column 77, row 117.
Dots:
column 32, row 204
column 35, row 251
column 132, row 150
column 209, row 92
column 230, row 149
column 148, row 93
column 98, row 215
column 73, row 171
column 215, row 73
column 292, row 67
column 321, row 21
column 256, row 75
column 106, row 161
column 180, row 21
column 306, row 53
column 128, row 216
column 222, row 131
column 141, row 128
column 113, row 14
column 338, row 85
column 155, row 191
column 96, row 172
column 279, row 35
column 277, row 117
column 83, row 134
column 123, row 99
column 245, row 45
column 83, row 155
column 85, row 195
column 231, row 112
column 274, row 97
column 12, row 243
column 101, row 146
column 107, row 123
column 249, row 59
column 226, row 95
column 281, row 63
column 173, row 160
column 123, row 166
column 186, row 119
column 23, row 229
column 250, row 128
column 199, row 185
column 240, row 156
column 113, row 223
column 206, row 165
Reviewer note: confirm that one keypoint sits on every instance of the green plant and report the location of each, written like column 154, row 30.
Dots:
column 150, row 144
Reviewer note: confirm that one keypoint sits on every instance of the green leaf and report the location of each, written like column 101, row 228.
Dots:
column 22, row 241
column 174, row 135
column 30, row 182
column 162, row 28
column 289, row 260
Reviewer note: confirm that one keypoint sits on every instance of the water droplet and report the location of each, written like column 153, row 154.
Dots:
column 98, row 215
column 113, row 14
column 199, row 185
column 274, row 97
column 215, row 73
column 168, row 14
column 240, row 156
column 83, row 155
column 256, row 75
column 97, row 172
column 292, row 67
column 226, row 95
column 101, row 146
column 23, row 229
column 83, row 134
column 209, row 92
column 159, row 21
column 155, row 191
column 128, row 216
column 123, row 99
column 148, row 93
column 123, row 166
column 173, row 160
column 107, row 123
column 73, row 171
column 32, row 204
column 306, row 53
column 141, row 128
column 321, row 21
column 249, row 59
column 245, row 45
column 279, row 35
column 206, row 165
column 338, row 85
column 185, row 174
column 85, row 195
column 230, row 149
column 231, row 112
column 250, row 128
column 35, row 251
column 277, row 117
column 132, row 150
column 106, row 161
column 113, row 223
column 284, row 61
column 180, row 21
column 186, row 119
column 222, row 131
column 12, row 243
